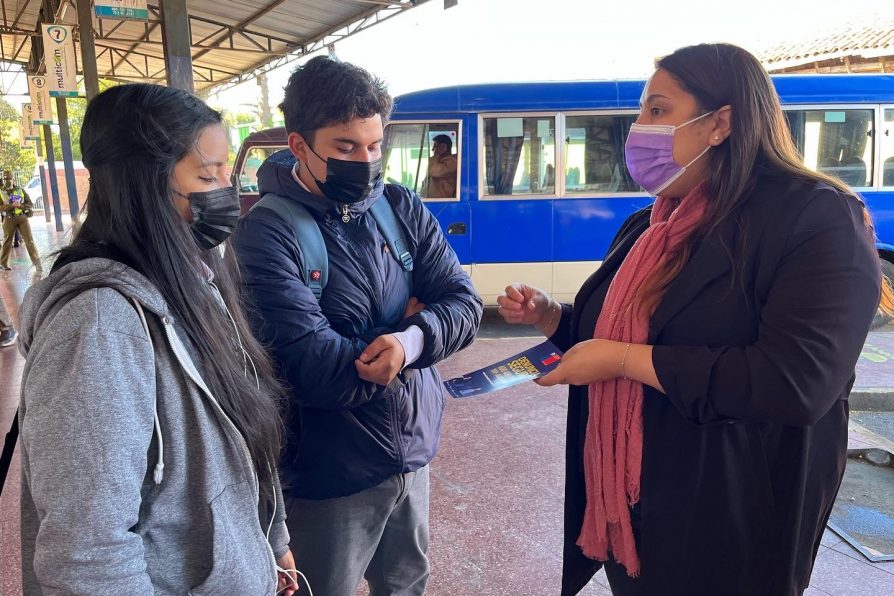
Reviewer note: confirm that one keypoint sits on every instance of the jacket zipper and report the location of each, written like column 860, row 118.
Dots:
column 201, row 385
column 345, row 215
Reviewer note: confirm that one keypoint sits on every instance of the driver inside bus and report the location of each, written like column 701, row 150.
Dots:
column 442, row 169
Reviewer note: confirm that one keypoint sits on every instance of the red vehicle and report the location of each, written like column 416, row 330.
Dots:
column 256, row 147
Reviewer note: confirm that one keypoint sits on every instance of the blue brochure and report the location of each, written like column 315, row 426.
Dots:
column 530, row 364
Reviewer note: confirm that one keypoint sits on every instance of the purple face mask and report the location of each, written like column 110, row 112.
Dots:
column 649, row 152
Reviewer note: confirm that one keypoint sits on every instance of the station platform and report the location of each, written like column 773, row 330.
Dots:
column 497, row 484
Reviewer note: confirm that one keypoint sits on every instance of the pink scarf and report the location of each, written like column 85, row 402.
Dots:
column 613, row 447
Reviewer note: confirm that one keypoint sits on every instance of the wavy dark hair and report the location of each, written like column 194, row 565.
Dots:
column 719, row 75
column 327, row 91
column 131, row 139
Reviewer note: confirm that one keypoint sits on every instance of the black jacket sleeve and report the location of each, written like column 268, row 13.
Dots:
column 818, row 310
column 314, row 360
column 562, row 337
column 453, row 308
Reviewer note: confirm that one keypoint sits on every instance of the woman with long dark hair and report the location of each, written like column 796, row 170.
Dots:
column 149, row 417
column 711, row 356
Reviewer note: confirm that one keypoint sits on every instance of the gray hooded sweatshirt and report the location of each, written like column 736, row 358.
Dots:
column 134, row 480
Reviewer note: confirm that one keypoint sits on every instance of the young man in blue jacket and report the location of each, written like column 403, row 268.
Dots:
column 366, row 401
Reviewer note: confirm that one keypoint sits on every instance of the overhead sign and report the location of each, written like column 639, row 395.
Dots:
column 59, row 58
column 30, row 130
column 135, row 10
column 40, row 99
column 23, row 142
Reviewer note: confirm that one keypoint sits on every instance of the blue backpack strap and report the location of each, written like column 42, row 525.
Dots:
column 314, row 258
column 385, row 218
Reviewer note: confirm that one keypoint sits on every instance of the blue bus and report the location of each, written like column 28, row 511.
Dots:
column 541, row 184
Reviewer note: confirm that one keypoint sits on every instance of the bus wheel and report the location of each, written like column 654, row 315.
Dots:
column 881, row 318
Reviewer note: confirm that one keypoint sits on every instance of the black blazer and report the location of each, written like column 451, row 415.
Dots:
column 756, row 341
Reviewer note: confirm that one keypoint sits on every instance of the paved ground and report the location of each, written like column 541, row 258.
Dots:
column 496, row 512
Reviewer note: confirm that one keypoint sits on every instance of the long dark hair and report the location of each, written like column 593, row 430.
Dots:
column 131, row 139
column 718, row 75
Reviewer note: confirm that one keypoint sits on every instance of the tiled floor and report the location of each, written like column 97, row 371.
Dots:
column 496, row 509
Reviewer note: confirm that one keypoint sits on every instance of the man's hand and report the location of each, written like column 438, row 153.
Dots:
column 414, row 306
column 381, row 360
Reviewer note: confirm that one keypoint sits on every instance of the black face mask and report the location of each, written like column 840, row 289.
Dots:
column 349, row 181
column 214, row 214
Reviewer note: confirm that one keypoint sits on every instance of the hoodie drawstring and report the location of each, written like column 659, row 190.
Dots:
column 160, row 466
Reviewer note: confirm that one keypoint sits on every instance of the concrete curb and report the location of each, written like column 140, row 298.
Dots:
column 872, row 400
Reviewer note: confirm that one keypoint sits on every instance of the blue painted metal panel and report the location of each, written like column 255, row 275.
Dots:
column 450, row 214
column 561, row 95
column 881, row 206
column 512, row 231
column 468, row 181
column 585, row 95
column 584, row 228
column 835, row 88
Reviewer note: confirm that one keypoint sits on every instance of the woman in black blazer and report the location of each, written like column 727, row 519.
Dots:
column 754, row 324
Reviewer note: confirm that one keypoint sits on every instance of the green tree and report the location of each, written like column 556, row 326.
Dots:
column 231, row 121
column 12, row 156
column 77, row 107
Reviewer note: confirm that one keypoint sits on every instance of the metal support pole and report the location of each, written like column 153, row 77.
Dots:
column 177, row 43
column 54, row 185
column 67, row 158
column 88, row 48
column 43, row 182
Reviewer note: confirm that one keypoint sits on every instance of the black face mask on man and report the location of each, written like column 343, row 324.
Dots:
column 214, row 214
column 348, row 181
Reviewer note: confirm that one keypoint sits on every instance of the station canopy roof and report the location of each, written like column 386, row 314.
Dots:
column 231, row 39
column 864, row 47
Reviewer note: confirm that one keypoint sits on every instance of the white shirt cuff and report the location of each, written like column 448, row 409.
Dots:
column 413, row 340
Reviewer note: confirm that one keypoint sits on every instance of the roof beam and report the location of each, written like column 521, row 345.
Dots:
column 25, row 4
column 220, row 73
column 21, row 46
column 363, row 21
column 242, row 24
column 15, row 31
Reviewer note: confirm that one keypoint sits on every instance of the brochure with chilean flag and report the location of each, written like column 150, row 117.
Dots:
column 525, row 366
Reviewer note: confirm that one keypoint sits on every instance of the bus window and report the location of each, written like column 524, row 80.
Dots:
column 837, row 142
column 423, row 156
column 248, row 178
column 888, row 149
column 594, row 154
column 519, row 155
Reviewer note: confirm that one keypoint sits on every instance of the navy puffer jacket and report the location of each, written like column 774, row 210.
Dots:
column 344, row 434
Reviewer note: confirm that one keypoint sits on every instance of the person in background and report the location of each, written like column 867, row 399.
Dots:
column 17, row 208
column 8, row 333
column 149, row 417
column 710, row 357
column 366, row 399
column 442, row 169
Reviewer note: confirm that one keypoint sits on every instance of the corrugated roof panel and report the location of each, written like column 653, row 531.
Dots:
column 876, row 36
column 229, row 38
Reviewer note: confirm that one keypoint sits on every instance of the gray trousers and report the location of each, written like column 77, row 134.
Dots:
column 5, row 319
column 380, row 534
